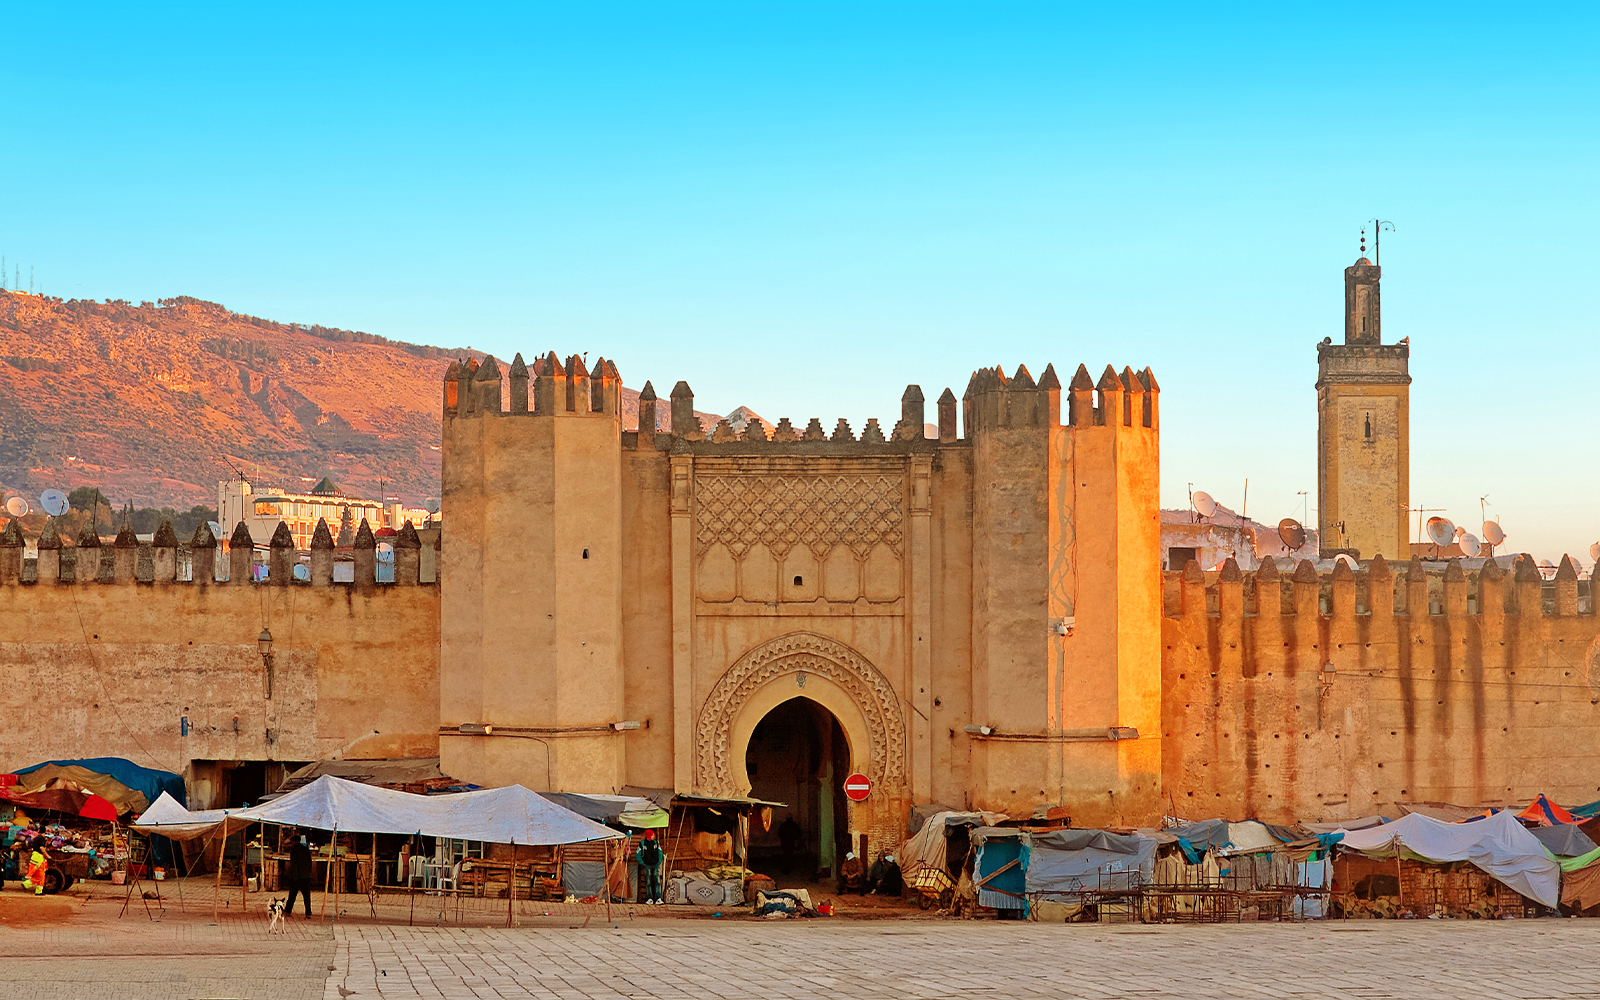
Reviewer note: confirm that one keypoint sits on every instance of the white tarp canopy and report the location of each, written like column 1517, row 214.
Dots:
column 169, row 819
column 510, row 815
column 1076, row 860
column 1497, row 844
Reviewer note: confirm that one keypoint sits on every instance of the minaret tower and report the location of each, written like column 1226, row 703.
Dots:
column 1363, row 429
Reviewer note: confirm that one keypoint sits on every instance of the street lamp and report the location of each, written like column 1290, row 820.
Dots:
column 264, row 644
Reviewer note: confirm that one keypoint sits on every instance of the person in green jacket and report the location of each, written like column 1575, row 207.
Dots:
column 651, row 857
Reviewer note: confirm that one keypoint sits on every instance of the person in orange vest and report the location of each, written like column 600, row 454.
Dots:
column 38, row 861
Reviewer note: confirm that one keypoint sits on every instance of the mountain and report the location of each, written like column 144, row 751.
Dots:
column 155, row 403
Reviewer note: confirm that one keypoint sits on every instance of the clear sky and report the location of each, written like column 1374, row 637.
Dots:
column 803, row 208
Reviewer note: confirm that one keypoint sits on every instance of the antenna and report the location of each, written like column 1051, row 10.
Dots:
column 1493, row 533
column 1305, row 506
column 54, row 502
column 17, row 507
column 1202, row 503
column 1470, row 546
column 1377, row 234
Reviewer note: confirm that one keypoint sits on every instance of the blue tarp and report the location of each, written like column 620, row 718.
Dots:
column 997, row 849
column 148, row 782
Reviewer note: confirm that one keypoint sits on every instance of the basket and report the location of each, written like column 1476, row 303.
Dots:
column 119, row 878
column 931, row 880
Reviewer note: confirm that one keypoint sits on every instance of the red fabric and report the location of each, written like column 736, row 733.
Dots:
column 94, row 807
column 1545, row 813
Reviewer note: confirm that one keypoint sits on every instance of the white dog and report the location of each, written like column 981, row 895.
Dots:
column 276, row 908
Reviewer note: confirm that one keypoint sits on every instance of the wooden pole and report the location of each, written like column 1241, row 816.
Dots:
column 222, row 849
column 511, row 881
column 244, row 867
column 327, row 881
column 605, row 883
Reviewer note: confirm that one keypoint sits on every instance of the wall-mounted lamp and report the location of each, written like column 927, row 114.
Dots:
column 1063, row 627
column 475, row 729
column 976, row 730
column 628, row 726
column 264, row 644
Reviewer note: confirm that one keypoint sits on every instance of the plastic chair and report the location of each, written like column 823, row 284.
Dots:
column 417, row 869
column 453, row 879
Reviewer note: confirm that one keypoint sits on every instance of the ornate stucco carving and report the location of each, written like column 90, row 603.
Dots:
column 802, row 652
column 818, row 512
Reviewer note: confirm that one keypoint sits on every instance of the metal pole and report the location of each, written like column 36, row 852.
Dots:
column 511, row 881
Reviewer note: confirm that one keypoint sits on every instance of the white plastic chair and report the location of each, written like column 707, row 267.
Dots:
column 453, row 878
column 417, row 868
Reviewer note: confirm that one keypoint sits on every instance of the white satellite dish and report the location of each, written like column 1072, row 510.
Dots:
column 1204, row 505
column 301, row 572
column 1291, row 533
column 1547, row 569
column 1493, row 533
column 1345, row 558
column 54, row 502
column 1441, row 530
column 385, row 552
column 1470, row 546
column 17, row 507
column 1594, row 552
column 216, row 529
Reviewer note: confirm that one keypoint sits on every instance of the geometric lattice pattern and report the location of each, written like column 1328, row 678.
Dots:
column 782, row 512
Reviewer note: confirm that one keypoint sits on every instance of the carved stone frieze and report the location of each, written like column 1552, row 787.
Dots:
column 812, row 655
column 818, row 512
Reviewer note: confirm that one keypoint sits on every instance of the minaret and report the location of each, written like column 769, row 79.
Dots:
column 1363, row 429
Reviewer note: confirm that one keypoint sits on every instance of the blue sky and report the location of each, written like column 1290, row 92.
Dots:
column 801, row 209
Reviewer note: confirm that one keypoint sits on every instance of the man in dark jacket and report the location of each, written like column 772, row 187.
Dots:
column 301, row 874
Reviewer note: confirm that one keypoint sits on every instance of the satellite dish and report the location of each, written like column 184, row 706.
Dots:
column 1594, row 552
column 1441, row 530
column 1291, row 533
column 216, row 529
column 1493, row 533
column 1470, row 546
column 1204, row 505
column 301, row 572
column 54, row 502
column 17, row 507
column 385, row 552
column 1345, row 558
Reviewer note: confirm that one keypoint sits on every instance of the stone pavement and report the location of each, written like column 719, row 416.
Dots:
column 77, row 946
column 920, row 960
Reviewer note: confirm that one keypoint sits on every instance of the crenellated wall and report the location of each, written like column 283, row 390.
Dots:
column 114, row 651
column 1324, row 697
column 976, row 608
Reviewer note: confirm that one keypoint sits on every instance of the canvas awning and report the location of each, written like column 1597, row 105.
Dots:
column 1498, row 844
column 631, row 811
column 1078, row 860
column 1564, row 840
column 510, row 815
column 1545, row 813
column 126, row 785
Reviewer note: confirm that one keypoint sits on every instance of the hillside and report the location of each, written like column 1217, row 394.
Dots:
column 155, row 403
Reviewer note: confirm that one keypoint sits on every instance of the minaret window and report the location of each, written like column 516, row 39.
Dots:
column 1369, row 427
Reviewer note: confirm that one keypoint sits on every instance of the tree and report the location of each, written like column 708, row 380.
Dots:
column 86, row 497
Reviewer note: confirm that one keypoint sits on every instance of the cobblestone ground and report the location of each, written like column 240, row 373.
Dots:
column 914, row 960
column 80, row 946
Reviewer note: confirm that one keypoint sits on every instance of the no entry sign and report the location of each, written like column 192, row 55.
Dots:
column 857, row 787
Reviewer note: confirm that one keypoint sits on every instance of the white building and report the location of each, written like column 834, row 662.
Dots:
column 261, row 508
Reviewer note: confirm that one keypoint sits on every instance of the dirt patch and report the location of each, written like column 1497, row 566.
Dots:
column 21, row 908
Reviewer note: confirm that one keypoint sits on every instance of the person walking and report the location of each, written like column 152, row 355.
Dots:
column 38, row 862
column 301, row 874
column 651, row 858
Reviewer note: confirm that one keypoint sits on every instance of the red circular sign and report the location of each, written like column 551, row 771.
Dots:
column 857, row 787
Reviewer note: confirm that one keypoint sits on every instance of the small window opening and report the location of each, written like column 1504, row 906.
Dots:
column 1363, row 324
column 799, row 582
column 1369, row 427
column 586, row 553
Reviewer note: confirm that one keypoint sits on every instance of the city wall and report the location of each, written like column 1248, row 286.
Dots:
column 1314, row 698
column 122, row 662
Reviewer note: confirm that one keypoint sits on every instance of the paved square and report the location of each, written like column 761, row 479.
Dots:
column 922, row 959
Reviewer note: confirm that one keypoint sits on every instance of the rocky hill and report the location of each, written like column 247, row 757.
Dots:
column 155, row 403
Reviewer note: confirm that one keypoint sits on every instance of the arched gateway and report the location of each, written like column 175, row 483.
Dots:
column 800, row 664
